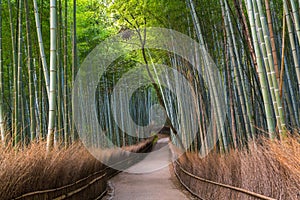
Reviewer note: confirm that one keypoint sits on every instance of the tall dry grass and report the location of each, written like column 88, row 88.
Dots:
column 32, row 169
column 271, row 168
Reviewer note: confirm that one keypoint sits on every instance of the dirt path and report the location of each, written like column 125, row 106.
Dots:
column 148, row 186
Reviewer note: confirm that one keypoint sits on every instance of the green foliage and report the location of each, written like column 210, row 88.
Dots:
column 137, row 14
column 100, row 19
column 93, row 25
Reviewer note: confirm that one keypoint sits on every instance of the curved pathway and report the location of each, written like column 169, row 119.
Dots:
column 157, row 185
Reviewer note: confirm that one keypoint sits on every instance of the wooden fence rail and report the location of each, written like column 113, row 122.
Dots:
column 91, row 187
column 176, row 165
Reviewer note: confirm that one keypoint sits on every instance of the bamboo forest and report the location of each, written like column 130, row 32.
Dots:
column 150, row 99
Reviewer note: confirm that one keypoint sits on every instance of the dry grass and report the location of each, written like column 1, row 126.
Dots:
column 271, row 168
column 31, row 169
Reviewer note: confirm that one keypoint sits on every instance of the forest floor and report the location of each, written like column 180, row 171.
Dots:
column 155, row 183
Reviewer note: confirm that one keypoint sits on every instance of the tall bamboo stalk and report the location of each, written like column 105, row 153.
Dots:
column 30, row 75
column 18, row 103
column 59, row 74
column 272, row 38
column 242, row 19
column 2, row 129
column 15, row 69
column 231, row 97
column 292, row 42
column 261, row 73
column 74, row 59
column 65, row 72
column 277, row 101
column 53, row 82
column 220, row 125
column 41, row 45
column 285, row 73
column 296, row 18
column 239, row 76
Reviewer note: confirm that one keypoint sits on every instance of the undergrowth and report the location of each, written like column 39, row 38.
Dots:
column 270, row 168
column 33, row 169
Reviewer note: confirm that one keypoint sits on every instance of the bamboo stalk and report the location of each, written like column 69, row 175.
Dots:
column 53, row 74
column 220, row 125
column 239, row 77
column 272, row 38
column 277, row 101
column 74, row 61
column 2, row 122
column 261, row 73
column 41, row 46
column 18, row 103
column 65, row 72
column 292, row 42
column 30, row 76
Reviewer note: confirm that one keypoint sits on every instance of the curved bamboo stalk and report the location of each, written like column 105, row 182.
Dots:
column 41, row 46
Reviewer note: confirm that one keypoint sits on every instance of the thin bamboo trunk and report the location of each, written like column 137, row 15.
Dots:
column 292, row 42
column 41, row 81
column 41, row 45
column 282, row 54
column 233, row 62
column 272, row 38
column 231, row 97
column 37, row 101
column 296, row 18
column 53, row 74
column 74, row 61
column 15, row 68
column 66, row 110
column 2, row 129
column 40, row 98
column 18, row 104
column 30, row 75
column 245, row 29
column 59, row 75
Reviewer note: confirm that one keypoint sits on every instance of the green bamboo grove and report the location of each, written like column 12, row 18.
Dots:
column 254, row 44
